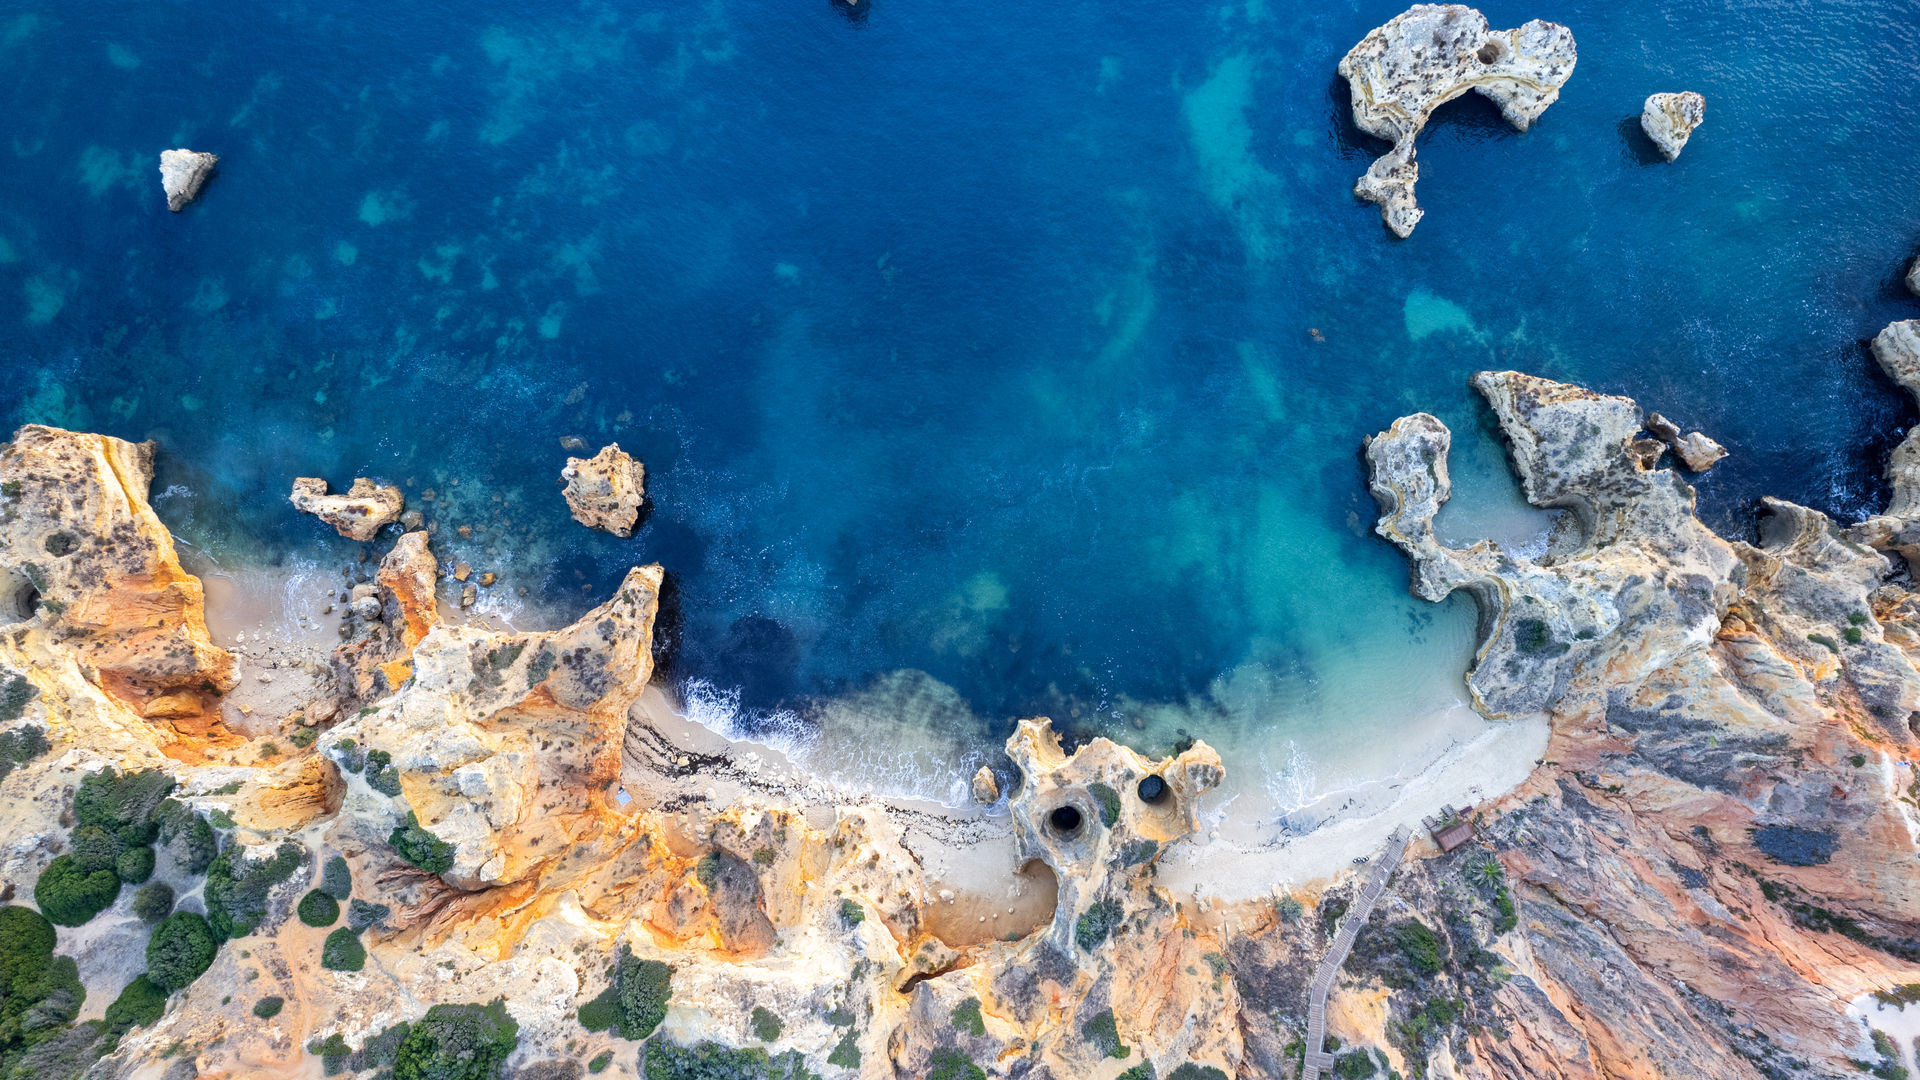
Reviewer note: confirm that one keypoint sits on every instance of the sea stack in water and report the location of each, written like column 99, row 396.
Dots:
column 182, row 174
column 1913, row 276
column 364, row 510
column 1669, row 118
column 1428, row 56
column 605, row 491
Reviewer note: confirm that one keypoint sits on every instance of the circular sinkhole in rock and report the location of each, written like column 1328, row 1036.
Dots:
column 19, row 600
column 1153, row 789
column 1065, row 820
column 1488, row 53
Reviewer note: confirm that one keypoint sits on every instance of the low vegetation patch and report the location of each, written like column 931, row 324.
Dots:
column 268, row 1007
column 420, row 847
column 343, row 951
column 180, row 950
column 635, row 1000
column 317, row 908
column 458, row 1042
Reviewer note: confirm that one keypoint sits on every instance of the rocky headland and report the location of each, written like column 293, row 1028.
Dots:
column 1427, row 56
column 482, row 852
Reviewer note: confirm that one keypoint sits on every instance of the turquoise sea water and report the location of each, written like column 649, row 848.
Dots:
column 958, row 339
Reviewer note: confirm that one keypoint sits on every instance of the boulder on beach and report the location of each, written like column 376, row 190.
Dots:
column 182, row 174
column 1668, row 119
column 1426, row 57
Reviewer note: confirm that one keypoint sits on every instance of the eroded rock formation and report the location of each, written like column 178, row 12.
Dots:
column 1669, row 119
column 182, row 174
column 1427, row 56
column 360, row 514
column 605, row 491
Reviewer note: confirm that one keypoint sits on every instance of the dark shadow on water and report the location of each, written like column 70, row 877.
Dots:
column 669, row 630
column 1470, row 118
column 1640, row 149
column 1348, row 139
column 854, row 11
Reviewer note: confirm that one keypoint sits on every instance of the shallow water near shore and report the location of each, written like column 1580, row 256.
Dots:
column 982, row 366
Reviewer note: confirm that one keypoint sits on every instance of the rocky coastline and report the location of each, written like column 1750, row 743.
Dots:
column 1711, row 860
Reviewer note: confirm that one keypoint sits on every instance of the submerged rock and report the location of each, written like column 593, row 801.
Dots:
column 986, row 790
column 1669, row 119
column 182, row 174
column 605, row 491
column 1426, row 57
column 359, row 514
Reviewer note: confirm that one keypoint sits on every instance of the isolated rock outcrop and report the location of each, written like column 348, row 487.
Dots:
column 359, row 514
column 1695, row 450
column 182, row 174
column 387, row 623
column 1897, row 528
column 1669, row 119
column 1646, row 570
column 1429, row 55
column 605, row 491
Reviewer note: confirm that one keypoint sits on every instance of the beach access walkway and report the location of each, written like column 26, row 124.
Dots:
column 1350, row 924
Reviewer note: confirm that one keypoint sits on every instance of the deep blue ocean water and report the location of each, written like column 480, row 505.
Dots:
column 962, row 339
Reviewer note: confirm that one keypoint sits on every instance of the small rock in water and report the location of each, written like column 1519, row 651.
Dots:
column 469, row 595
column 182, row 174
column 1669, row 119
column 1662, row 428
column 605, row 491
column 572, row 442
column 986, row 790
column 413, row 519
column 1698, row 452
column 488, row 579
column 462, row 572
column 465, row 531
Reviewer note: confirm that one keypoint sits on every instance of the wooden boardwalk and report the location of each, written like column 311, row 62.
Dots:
column 1350, row 924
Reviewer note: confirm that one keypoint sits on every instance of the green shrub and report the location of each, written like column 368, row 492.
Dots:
column 1420, row 945
column 319, row 909
column 383, row 1049
column 846, row 1052
column 70, row 896
column 766, row 1026
column 361, row 914
column 16, row 693
column 602, row 1012
column 1356, row 1065
column 186, row 836
column 1142, row 1071
column 600, row 1062
column 711, row 1061
column 268, row 1007
column 237, row 887
column 382, row 775
column 95, row 848
column 153, row 902
column 1289, row 909
column 139, row 1005
column 420, row 847
column 334, row 1053
column 180, row 950
column 38, row 990
column 1103, row 1033
column 1191, row 1071
column 852, row 913
column 967, row 1018
column 135, row 865
column 115, row 802
column 458, row 1042
column 22, row 744
column 1096, row 923
column 336, row 879
column 343, row 951
column 1109, row 801
column 947, row 1063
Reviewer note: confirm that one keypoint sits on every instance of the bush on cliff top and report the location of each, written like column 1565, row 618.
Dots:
column 711, row 1061
column 124, row 804
column 38, row 990
column 186, row 836
column 420, row 847
column 343, row 951
column 336, row 879
column 70, row 896
column 319, row 909
column 458, row 1042
column 153, row 902
column 634, row 1002
column 237, row 887
column 180, row 950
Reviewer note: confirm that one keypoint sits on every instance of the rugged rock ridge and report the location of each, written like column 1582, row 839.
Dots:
column 1427, row 56
column 1669, row 119
column 360, row 514
column 82, row 554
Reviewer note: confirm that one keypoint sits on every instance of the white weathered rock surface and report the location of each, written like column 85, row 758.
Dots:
column 1698, row 452
column 1426, row 57
column 605, row 491
column 182, row 174
column 359, row 514
column 1669, row 119
column 1913, row 276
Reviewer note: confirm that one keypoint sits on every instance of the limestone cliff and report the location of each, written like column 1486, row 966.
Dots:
column 1427, row 56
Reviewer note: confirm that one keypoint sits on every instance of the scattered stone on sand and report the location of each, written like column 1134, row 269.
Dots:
column 182, row 174
column 986, row 790
column 362, row 512
column 1668, row 119
column 1426, row 57
column 605, row 491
